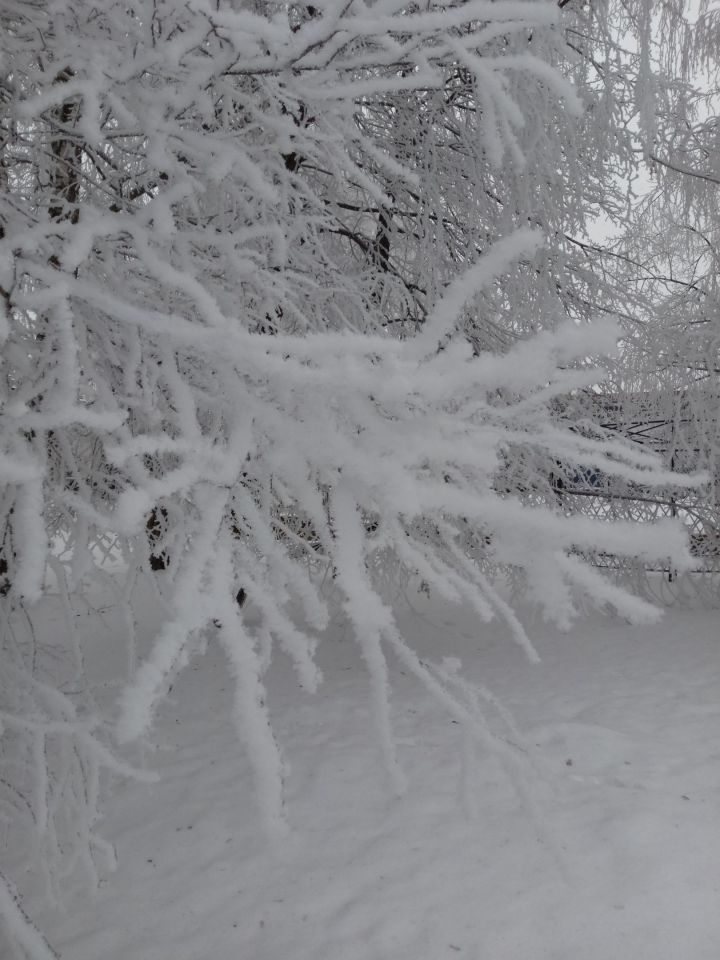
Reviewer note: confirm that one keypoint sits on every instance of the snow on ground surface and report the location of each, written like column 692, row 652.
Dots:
column 613, row 852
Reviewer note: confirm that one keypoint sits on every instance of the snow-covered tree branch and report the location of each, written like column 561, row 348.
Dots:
column 268, row 274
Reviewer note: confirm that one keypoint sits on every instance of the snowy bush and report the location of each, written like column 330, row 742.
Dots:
column 267, row 275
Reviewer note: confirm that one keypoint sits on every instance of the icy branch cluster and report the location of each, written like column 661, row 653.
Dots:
column 267, row 277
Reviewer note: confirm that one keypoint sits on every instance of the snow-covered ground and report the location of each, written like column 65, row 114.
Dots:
column 604, row 842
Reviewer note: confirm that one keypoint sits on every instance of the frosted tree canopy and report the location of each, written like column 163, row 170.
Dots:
column 292, row 299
